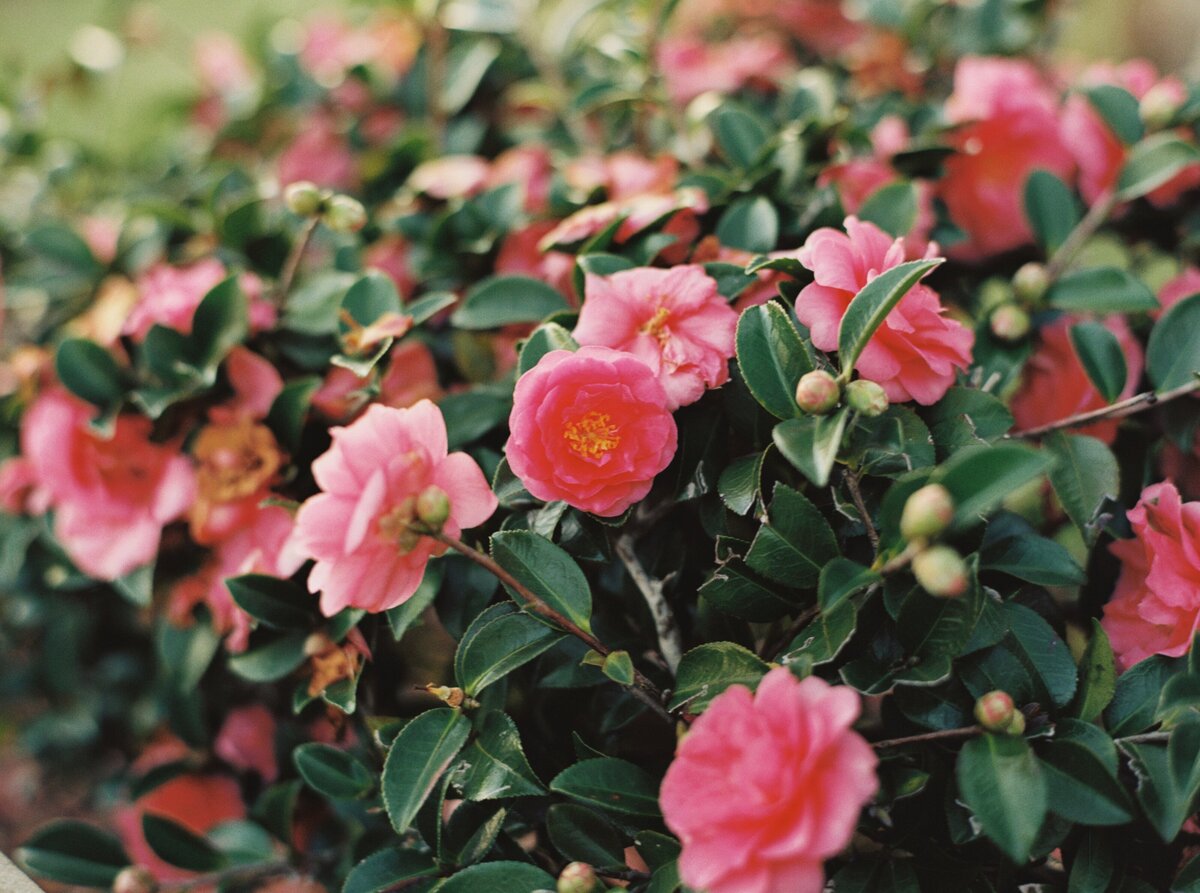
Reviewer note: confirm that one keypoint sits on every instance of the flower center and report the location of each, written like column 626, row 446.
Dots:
column 592, row 434
column 235, row 460
column 656, row 325
column 396, row 525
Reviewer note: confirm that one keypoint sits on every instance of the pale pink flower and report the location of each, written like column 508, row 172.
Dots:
column 591, row 428
column 622, row 174
column 520, row 255
column 391, row 255
column 320, row 154
column 692, row 66
column 168, row 296
column 111, row 497
column 357, row 528
column 675, row 321
column 1155, row 608
column 917, row 352
column 247, row 741
column 530, row 169
column 451, row 176
column 765, row 787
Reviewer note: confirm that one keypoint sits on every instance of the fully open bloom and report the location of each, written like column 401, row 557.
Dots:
column 591, row 428
column 111, row 496
column 1010, row 128
column 1155, row 608
column 358, row 529
column 765, row 787
column 915, row 353
column 675, row 321
column 1054, row 384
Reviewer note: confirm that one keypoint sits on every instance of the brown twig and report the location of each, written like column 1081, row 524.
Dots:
column 1119, row 410
column 670, row 644
column 1083, row 231
column 642, row 688
column 292, row 264
column 943, row 735
column 856, row 495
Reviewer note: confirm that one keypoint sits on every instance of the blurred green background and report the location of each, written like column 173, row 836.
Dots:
column 124, row 107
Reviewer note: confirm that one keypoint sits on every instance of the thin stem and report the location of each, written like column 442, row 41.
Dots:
column 642, row 689
column 1119, row 410
column 670, row 644
column 856, row 495
column 290, row 266
column 943, row 735
column 1146, row 738
column 770, row 646
column 1084, row 230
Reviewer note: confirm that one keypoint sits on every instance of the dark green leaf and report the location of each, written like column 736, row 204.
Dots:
column 332, row 772
column 268, row 660
column 966, row 417
column 841, row 578
column 980, row 477
column 547, row 571
column 893, row 208
column 871, row 306
column 582, row 835
column 1101, row 290
column 812, row 443
column 1136, row 698
column 1052, row 209
column 369, row 299
column 751, row 223
column 387, row 870
column 708, row 670
column 741, row 135
column 739, row 592
column 420, row 754
column 823, row 639
column 498, row 642
column 492, row 877
column 1119, row 109
column 1085, row 472
column 1081, row 789
column 221, row 323
column 610, row 784
column 1012, row 546
column 545, row 338
column 89, row 371
column 877, row 876
column 403, row 616
column 1043, row 654
column 498, row 767
column 795, row 542
column 278, row 603
column 772, row 358
column 1002, row 783
column 1173, row 352
column 1153, row 162
column 740, row 484
column 288, row 410
column 503, row 300
column 1092, row 868
column 1097, row 676
column 1102, row 357
column 75, row 853
column 1168, row 778
column 178, row 846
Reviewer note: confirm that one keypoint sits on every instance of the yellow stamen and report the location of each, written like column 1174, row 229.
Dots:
column 592, row 435
column 657, row 323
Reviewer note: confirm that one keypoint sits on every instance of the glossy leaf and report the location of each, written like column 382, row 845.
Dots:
column 1102, row 357
column 1052, row 209
column 772, row 358
column 1173, row 352
column 707, row 670
column 1153, row 162
column 498, row 642
column 1002, row 783
column 498, row 767
column 179, row 846
column 872, row 304
column 795, row 542
column 812, row 443
column 503, row 300
column 610, row 784
column 332, row 772
column 546, row 570
column 419, row 755
column 388, row 869
column 1101, row 290
column 76, row 853
column 1084, row 474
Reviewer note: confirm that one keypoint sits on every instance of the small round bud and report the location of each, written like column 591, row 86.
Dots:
column 1016, row 725
column 927, row 512
column 817, row 392
column 578, row 877
column 134, row 879
column 345, row 214
column 995, row 711
column 866, row 397
column 303, row 198
column 941, row 572
column 1030, row 283
column 1160, row 105
column 1009, row 322
column 433, row 506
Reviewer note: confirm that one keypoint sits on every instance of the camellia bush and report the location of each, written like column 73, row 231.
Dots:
column 728, row 447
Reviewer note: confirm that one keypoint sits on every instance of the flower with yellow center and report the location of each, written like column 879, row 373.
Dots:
column 592, row 435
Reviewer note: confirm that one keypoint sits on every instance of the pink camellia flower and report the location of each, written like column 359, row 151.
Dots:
column 1155, row 608
column 529, row 167
column 358, row 529
column 391, row 255
column 247, row 741
column 691, row 65
column 520, row 255
column 622, row 175
column 1055, row 385
column 168, row 296
column 111, row 497
column 675, row 321
column 915, row 354
column 320, row 154
column 591, row 428
column 1010, row 128
column 451, row 176
column 767, row 786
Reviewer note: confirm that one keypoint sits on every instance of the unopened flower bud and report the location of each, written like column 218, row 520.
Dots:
column 817, row 392
column 433, row 506
column 345, row 214
column 927, row 512
column 995, row 711
column 303, row 198
column 134, row 879
column 1030, row 283
column 866, row 397
column 578, row 877
column 941, row 572
column 1160, row 105
column 1009, row 322
column 1016, row 725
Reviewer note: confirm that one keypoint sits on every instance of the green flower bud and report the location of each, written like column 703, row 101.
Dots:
column 304, row 199
column 941, row 572
column 995, row 711
column 927, row 513
column 1030, row 283
column 866, row 397
column 1009, row 322
column 1016, row 726
column 345, row 214
column 134, row 879
column 578, row 877
column 433, row 506
column 817, row 392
